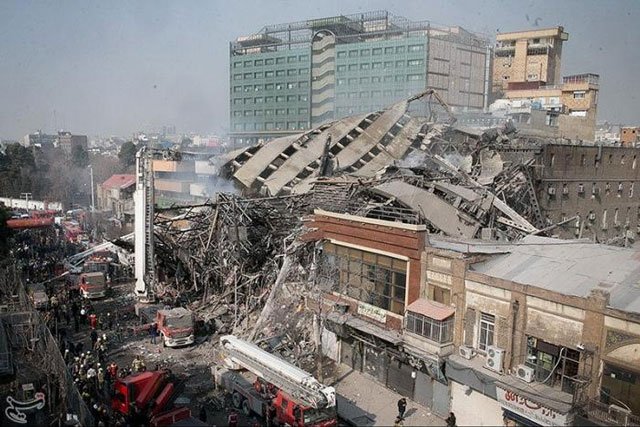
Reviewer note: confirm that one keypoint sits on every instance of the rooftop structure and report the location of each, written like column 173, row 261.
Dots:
column 528, row 56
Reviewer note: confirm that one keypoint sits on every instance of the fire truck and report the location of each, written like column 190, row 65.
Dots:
column 93, row 285
column 147, row 398
column 272, row 387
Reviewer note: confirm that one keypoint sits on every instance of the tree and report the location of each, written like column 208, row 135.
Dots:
column 127, row 154
column 79, row 156
column 5, row 231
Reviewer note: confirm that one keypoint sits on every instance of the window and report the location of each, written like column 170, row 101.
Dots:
column 364, row 66
column 415, row 77
column 279, row 73
column 268, row 86
column 303, row 71
column 399, row 64
column 631, row 190
column 364, row 80
column 280, row 98
column 248, row 63
column 622, row 159
column 291, row 85
column 268, row 73
column 292, row 72
column 440, row 294
column 555, row 366
column 269, row 61
column 258, row 62
column 579, row 94
column 375, row 79
column 302, row 58
column 388, row 50
column 291, row 59
column 303, row 98
column 400, row 49
column 353, row 67
column 376, row 51
column 268, row 99
column 280, row 60
column 353, row 53
column 487, row 327
column 237, row 64
column 342, row 68
column 365, row 52
column 258, row 75
column 342, row 54
column 279, row 86
column 414, row 62
column 368, row 277
column 415, row 48
column 247, row 75
column 440, row 331
column 388, row 64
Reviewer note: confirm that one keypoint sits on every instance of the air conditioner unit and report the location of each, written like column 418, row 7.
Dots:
column 592, row 217
column 525, row 373
column 551, row 191
column 495, row 356
column 565, row 190
column 466, row 352
column 580, row 188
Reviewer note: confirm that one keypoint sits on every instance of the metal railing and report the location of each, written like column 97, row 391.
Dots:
column 610, row 414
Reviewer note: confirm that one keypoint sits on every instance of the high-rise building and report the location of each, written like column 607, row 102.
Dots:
column 288, row 78
column 528, row 56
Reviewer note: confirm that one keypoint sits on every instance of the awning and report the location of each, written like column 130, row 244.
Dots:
column 431, row 309
column 518, row 418
column 366, row 327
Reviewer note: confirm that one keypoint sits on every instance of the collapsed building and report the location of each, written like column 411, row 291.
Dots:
column 249, row 264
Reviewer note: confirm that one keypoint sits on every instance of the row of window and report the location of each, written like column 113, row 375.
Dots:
column 270, row 99
column 368, row 277
column 271, row 86
column 604, row 219
column 619, row 190
column 610, row 159
column 381, row 79
column 271, row 112
column 354, row 53
column 271, row 61
column 271, row 73
column 381, row 65
column 249, row 127
column 372, row 94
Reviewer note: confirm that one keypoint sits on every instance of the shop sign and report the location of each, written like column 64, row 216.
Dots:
column 529, row 409
column 372, row 312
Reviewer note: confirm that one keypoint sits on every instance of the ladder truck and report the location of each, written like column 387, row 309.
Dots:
column 273, row 388
column 144, row 201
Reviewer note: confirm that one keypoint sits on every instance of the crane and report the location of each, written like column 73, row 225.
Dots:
column 297, row 383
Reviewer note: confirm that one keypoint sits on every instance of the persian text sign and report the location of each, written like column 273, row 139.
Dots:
column 529, row 409
column 372, row 312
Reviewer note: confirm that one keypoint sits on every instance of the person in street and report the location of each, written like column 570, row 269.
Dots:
column 93, row 320
column 451, row 420
column 153, row 331
column 232, row 420
column 138, row 365
column 402, row 407
column 203, row 414
column 94, row 338
column 398, row 422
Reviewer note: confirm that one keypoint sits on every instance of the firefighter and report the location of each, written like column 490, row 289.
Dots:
column 138, row 364
column 232, row 420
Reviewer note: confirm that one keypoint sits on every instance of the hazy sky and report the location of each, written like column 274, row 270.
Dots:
column 114, row 67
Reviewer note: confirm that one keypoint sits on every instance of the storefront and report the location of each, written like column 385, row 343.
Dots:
column 379, row 352
column 521, row 410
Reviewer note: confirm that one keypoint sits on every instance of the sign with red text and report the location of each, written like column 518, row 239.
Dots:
column 529, row 409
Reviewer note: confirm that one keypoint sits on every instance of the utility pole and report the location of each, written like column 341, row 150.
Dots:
column 26, row 197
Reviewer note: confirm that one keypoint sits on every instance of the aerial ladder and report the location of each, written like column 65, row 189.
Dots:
column 306, row 401
column 143, row 197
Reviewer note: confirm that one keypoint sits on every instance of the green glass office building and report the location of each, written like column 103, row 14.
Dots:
column 288, row 78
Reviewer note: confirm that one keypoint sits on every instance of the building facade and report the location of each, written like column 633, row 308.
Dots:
column 291, row 77
column 630, row 136
column 527, row 56
column 116, row 195
column 66, row 141
column 595, row 187
column 532, row 333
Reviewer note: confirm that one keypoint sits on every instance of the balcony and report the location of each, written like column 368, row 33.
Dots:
column 609, row 415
